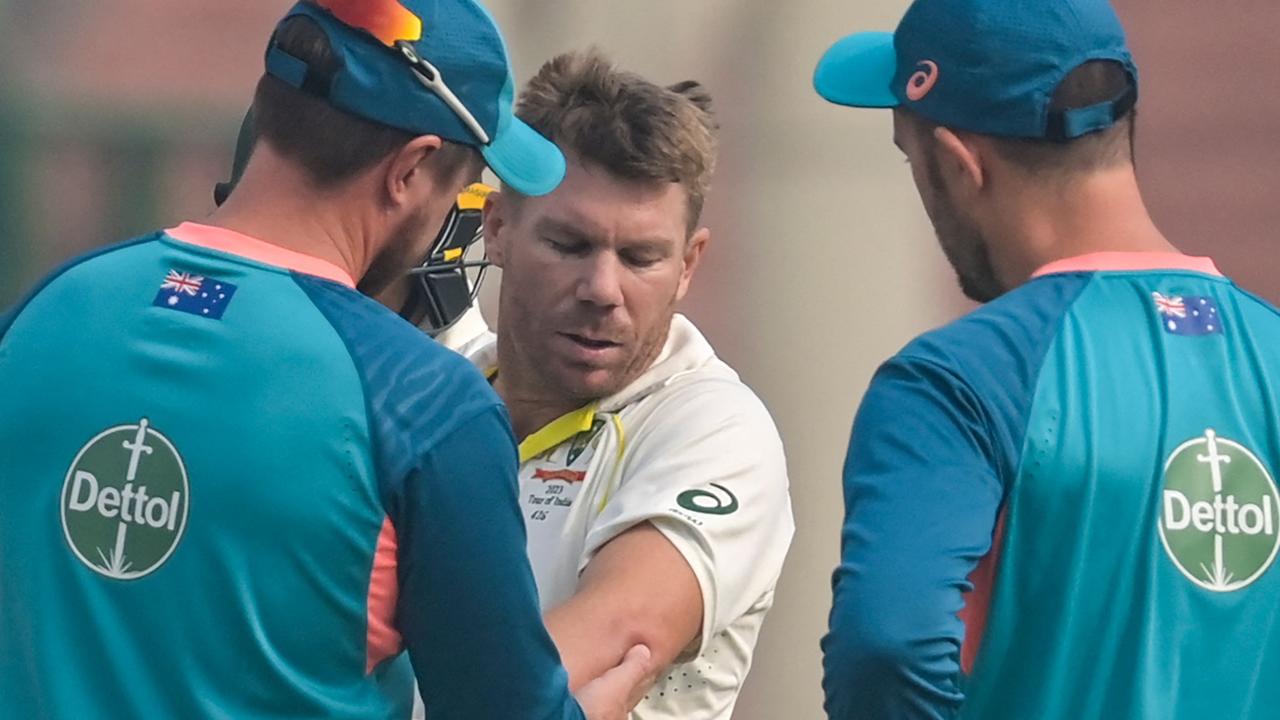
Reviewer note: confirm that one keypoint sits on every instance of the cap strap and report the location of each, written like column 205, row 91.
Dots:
column 297, row 72
column 1065, row 125
column 288, row 68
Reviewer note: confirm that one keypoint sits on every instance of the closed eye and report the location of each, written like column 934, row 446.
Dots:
column 641, row 259
column 573, row 248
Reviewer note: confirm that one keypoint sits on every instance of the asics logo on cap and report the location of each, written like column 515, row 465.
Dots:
column 922, row 81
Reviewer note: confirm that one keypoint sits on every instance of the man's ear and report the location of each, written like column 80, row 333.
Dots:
column 407, row 168
column 497, row 214
column 961, row 158
column 694, row 247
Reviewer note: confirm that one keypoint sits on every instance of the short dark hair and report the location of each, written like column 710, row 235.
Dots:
column 631, row 127
column 331, row 145
column 1094, row 82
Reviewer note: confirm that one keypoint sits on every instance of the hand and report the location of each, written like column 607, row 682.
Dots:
column 612, row 695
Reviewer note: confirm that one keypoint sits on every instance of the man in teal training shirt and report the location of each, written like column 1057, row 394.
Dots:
column 233, row 486
column 1063, row 505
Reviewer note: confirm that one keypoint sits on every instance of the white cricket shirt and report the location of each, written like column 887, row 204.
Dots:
column 691, row 449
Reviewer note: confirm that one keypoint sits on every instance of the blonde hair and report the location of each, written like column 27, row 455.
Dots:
column 629, row 126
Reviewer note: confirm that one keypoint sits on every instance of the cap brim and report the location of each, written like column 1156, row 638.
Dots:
column 522, row 158
column 858, row 71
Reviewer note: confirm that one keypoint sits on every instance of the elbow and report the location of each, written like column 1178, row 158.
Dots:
column 862, row 664
column 870, row 671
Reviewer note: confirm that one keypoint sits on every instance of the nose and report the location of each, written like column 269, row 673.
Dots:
column 601, row 281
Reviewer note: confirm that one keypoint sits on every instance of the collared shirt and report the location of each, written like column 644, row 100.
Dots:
column 691, row 449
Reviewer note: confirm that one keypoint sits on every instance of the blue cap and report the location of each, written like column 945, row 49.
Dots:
column 987, row 66
column 461, row 40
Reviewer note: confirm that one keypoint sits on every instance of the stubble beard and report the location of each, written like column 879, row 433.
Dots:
column 963, row 244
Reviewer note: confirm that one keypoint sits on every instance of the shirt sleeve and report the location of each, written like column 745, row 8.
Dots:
column 468, row 608
column 712, row 477
column 922, row 491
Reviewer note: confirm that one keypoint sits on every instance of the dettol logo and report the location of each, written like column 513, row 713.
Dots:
column 1218, row 513
column 124, row 501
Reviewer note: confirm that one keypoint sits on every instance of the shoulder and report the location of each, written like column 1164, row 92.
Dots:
column 692, row 390
column 996, row 352
column 81, row 274
column 1255, row 304
column 970, row 384
column 709, row 413
column 1002, row 337
column 711, row 393
column 414, row 386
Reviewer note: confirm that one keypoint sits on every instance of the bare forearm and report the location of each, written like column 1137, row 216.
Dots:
column 637, row 591
column 585, row 651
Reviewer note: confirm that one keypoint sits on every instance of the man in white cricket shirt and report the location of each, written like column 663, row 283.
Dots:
column 652, row 480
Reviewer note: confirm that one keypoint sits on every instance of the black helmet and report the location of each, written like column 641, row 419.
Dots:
column 448, row 279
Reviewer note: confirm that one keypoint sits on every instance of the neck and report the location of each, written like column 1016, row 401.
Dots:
column 1103, row 212
column 276, row 203
column 530, row 402
column 530, row 411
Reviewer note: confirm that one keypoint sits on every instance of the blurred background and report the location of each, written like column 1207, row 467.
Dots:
column 118, row 117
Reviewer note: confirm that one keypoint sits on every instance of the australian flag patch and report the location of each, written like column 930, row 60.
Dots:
column 194, row 294
column 1190, row 315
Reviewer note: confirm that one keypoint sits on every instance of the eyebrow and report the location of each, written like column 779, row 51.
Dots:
column 572, row 232
column 568, row 230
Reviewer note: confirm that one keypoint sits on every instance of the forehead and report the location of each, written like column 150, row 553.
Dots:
column 602, row 205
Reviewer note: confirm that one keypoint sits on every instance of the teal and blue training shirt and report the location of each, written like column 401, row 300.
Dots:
column 1063, row 506
column 233, row 487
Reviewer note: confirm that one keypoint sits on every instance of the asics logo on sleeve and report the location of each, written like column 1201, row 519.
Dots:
column 709, row 503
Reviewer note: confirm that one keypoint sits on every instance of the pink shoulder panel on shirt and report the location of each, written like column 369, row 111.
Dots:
column 1130, row 262
column 234, row 243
